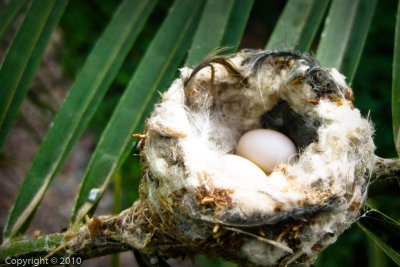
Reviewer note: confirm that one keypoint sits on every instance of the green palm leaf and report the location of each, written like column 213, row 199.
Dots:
column 384, row 231
column 236, row 24
column 8, row 14
column 154, row 73
column 211, row 31
column 23, row 58
column 297, row 25
column 79, row 106
column 344, row 35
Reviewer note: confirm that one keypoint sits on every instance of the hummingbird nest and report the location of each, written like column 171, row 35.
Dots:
column 201, row 202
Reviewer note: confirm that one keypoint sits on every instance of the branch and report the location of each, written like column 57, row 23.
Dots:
column 385, row 177
column 138, row 228
column 31, row 247
column 99, row 236
column 385, row 169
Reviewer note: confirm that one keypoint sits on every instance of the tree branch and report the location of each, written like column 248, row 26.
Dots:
column 31, row 247
column 385, row 169
column 138, row 228
column 385, row 177
column 99, row 236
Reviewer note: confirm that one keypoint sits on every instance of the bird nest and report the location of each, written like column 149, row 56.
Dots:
column 206, row 202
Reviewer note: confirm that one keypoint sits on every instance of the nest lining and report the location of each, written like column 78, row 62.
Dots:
column 199, row 121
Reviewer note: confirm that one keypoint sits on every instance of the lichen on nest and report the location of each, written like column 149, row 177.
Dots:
column 302, row 206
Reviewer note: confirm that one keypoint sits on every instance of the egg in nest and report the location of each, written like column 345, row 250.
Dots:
column 211, row 201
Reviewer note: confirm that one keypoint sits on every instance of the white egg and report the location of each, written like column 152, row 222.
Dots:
column 266, row 148
column 238, row 172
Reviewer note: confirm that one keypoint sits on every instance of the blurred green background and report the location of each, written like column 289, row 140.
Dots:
column 83, row 22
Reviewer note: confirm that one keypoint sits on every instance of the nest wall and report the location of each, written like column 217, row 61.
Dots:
column 192, row 183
